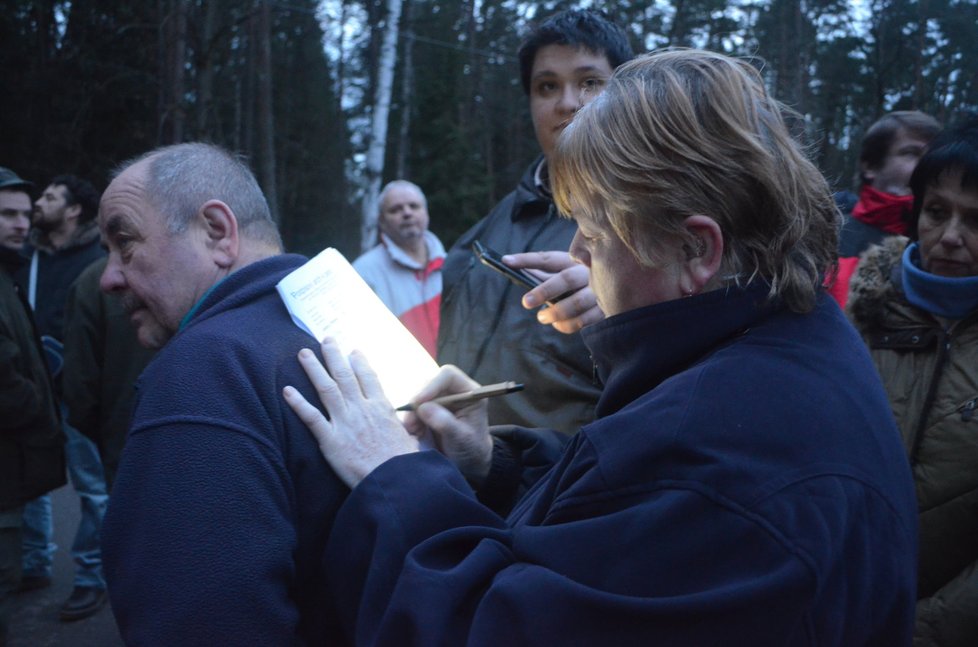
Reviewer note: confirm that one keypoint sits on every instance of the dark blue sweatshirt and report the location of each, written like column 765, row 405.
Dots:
column 223, row 503
column 744, row 484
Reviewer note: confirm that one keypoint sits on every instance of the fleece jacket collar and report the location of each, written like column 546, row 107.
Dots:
column 682, row 331
column 251, row 282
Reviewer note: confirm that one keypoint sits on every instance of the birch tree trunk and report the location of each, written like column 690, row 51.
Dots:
column 378, row 128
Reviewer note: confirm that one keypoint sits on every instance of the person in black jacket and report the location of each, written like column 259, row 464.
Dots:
column 64, row 241
column 485, row 328
column 102, row 360
column 31, row 443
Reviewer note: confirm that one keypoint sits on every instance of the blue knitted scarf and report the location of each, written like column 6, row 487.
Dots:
column 944, row 296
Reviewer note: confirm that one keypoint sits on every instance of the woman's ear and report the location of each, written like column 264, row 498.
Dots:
column 221, row 229
column 704, row 253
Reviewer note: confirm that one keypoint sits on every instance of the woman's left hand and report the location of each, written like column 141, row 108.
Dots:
column 363, row 430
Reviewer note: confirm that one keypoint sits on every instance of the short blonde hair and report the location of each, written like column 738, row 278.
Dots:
column 682, row 132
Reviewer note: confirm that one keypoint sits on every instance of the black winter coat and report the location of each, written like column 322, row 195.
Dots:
column 31, row 442
column 486, row 331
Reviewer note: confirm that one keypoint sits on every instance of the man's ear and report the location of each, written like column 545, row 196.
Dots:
column 382, row 225
column 704, row 253
column 220, row 228
column 73, row 212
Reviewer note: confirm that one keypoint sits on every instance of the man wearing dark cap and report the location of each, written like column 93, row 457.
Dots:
column 63, row 242
column 31, row 452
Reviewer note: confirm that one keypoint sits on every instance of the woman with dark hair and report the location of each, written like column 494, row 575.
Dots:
column 915, row 301
column 733, row 489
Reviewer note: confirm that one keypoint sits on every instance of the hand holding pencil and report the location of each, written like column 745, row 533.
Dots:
column 459, row 400
column 458, row 421
column 363, row 431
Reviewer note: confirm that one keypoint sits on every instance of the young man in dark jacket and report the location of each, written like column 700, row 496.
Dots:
column 31, row 444
column 485, row 328
column 64, row 240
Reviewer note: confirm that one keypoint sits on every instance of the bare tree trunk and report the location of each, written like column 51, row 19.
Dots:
column 378, row 128
column 161, row 38
column 43, row 13
column 172, row 48
column 800, row 80
column 677, row 29
column 407, row 92
column 266, row 134
column 177, row 72
column 484, row 119
column 466, row 94
column 205, row 82
column 341, row 62
column 918, row 85
column 249, row 92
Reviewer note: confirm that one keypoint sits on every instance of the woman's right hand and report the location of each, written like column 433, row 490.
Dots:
column 562, row 277
column 462, row 435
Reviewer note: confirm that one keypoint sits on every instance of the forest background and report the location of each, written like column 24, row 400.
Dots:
column 292, row 85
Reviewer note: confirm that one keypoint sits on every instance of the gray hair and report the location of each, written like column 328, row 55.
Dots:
column 399, row 184
column 182, row 177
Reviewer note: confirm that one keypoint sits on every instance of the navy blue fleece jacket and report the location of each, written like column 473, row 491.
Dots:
column 744, row 484
column 223, row 502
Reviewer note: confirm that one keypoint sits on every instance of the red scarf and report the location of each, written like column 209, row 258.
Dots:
column 882, row 210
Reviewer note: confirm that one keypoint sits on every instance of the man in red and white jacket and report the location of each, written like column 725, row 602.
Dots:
column 404, row 269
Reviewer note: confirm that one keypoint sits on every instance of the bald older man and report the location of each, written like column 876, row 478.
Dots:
column 222, row 503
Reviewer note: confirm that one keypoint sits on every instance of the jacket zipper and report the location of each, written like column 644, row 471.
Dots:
column 945, row 348
column 968, row 410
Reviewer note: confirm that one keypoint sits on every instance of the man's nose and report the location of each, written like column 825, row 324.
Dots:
column 112, row 279
column 570, row 98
